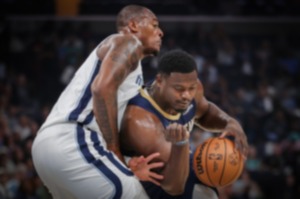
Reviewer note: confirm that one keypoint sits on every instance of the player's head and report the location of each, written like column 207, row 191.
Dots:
column 177, row 80
column 143, row 23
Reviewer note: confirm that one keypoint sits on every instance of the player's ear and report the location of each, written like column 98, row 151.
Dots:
column 133, row 26
column 158, row 79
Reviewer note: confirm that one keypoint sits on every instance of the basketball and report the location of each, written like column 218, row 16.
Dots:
column 216, row 163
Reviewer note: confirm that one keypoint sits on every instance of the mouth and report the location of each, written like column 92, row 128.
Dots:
column 159, row 42
column 184, row 104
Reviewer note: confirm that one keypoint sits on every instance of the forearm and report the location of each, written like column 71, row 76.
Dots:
column 176, row 170
column 105, row 110
column 214, row 119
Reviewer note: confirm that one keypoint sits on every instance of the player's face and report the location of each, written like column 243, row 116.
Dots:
column 179, row 89
column 150, row 34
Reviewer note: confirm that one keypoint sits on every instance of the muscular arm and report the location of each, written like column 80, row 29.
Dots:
column 120, row 59
column 212, row 118
column 142, row 134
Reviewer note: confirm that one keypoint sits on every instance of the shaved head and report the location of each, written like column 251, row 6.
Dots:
column 131, row 12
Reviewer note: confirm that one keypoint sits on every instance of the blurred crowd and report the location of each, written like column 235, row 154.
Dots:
column 255, row 78
column 177, row 7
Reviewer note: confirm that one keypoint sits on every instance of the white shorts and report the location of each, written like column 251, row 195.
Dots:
column 204, row 192
column 73, row 163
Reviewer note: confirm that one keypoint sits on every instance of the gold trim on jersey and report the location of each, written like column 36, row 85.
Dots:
column 146, row 95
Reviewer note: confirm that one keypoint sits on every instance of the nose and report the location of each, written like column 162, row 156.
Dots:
column 160, row 33
column 186, row 95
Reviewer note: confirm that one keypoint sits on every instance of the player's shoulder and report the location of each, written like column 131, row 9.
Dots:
column 118, row 42
column 136, row 111
column 140, row 114
column 199, row 92
column 125, row 39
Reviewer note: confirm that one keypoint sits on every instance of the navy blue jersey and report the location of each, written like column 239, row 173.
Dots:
column 144, row 101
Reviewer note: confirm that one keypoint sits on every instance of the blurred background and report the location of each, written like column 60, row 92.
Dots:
column 247, row 53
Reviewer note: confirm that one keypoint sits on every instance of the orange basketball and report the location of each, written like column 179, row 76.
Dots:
column 216, row 163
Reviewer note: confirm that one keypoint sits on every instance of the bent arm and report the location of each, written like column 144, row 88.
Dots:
column 176, row 170
column 212, row 118
column 143, row 134
column 121, row 58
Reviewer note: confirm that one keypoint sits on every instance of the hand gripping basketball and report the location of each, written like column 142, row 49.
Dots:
column 217, row 163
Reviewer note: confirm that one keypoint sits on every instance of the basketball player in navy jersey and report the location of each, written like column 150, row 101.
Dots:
column 76, row 152
column 160, row 118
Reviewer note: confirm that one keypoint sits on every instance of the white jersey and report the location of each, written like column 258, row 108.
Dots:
column 69, row 152
column 75, row 103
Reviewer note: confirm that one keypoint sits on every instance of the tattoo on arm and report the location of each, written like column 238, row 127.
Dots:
column 109, row 134
column 120, row 58
column 123, row 57
column 134, row 59
column 125, row 54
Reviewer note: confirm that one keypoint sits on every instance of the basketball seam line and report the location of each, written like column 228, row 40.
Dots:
column 212, row 184
column 225, row 158
column 238, row 171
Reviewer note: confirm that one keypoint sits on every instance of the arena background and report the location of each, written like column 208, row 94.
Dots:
column 247, row 53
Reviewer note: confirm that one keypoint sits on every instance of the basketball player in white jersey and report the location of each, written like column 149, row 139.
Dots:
column 76, row 152
column 159, row 119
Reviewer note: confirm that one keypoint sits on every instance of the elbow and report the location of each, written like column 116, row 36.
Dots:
column 177, row 192
column 96, row 89
column 174, row 190
column 100, row 90
column 175, row 184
